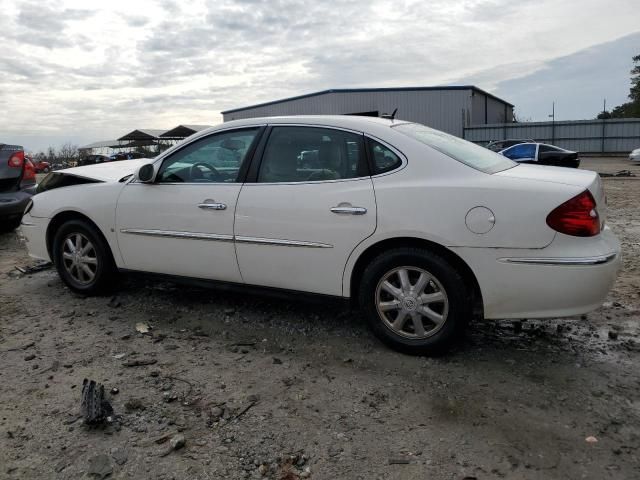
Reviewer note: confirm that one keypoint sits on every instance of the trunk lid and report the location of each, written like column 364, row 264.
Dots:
column 9, row 176
column 586, row 179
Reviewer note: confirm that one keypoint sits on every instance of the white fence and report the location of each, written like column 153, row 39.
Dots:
column 587, row 136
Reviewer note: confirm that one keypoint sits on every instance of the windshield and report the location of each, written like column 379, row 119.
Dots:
column 466, row 152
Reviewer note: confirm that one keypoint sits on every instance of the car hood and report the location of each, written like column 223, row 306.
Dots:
column 108, row 171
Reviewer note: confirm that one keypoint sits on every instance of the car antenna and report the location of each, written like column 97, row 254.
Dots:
column 389, row 117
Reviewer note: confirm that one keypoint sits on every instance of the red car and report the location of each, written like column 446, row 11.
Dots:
column 40, row 165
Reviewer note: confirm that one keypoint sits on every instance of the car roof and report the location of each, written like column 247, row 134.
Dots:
column 346, row 121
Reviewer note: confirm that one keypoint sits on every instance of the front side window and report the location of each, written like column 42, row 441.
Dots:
column 213, row 159
column 311, row 154
column 522, row 152
column 461, row 150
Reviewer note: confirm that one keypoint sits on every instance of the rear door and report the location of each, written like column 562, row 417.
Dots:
column 310, row 203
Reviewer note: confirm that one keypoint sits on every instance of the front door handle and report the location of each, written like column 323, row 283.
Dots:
column 348, row 210
column 212, row 205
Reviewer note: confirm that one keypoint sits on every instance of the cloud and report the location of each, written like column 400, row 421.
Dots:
column 75, row 70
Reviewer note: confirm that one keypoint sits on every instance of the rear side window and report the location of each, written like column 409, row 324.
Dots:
column 383, row 158
column 468, row 153
column 312, row 154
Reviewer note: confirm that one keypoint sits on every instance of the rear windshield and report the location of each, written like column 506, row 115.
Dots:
column 466, row 152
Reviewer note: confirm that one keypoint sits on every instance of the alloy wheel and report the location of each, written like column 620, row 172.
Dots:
column 411, row 302
column 79, row 258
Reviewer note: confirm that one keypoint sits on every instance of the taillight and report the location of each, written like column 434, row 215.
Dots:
column 29, row 171
column 16, row 160
column 577, row 216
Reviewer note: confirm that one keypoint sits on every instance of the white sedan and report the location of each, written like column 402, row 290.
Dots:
column 422, row 229
column 634, row 156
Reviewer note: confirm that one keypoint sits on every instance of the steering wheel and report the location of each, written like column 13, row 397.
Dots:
column 196, row 174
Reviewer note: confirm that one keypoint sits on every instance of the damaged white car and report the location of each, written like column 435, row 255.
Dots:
column 422, row 229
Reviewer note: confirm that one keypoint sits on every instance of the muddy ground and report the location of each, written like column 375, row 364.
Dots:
column 265, row 388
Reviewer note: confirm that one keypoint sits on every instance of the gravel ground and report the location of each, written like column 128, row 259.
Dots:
column 249, row 387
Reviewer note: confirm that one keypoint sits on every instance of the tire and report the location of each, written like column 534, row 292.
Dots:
column 443, row 306
column 9, row 225
column 95, row 255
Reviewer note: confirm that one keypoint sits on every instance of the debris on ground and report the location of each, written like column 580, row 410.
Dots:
column 38, row 267
column 142, row 327
column 140, row 363
column 94, row 407
column 591, row 439
column 619, row 173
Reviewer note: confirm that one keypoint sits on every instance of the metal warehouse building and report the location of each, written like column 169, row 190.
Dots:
column 449, row 108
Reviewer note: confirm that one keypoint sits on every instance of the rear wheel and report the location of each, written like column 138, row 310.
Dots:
column 414, row 301
column 83, row 258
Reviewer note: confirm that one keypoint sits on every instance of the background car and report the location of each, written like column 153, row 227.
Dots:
column 422, row 229
column 499, row 145
column 634, row 156
column 17, row 185
column 93, row 159
column 40, row 165
column 542, row 154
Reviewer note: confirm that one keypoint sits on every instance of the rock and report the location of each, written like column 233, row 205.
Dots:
column 277, row 361
column 115, row 391
column 613, row 335
column 334, row 450
column 100, row 466
column 120, row 455
column 29, row 357
column 177, row 442
column 216, row 413
column 263, row 469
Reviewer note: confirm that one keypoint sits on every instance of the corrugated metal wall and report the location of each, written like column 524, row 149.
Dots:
column 447, row 110
column 589, row 136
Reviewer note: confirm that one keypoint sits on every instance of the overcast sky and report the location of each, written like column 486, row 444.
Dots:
column 85, row 70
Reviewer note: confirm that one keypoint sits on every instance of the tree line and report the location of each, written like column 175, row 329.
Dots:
column 629, row 109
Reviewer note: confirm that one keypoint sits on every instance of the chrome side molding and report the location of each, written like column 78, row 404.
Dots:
column 172, row 234
column 224, row 238
column 597, row 260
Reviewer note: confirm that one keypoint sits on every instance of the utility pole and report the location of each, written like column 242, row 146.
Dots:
column 604, row 123
column 553, row 122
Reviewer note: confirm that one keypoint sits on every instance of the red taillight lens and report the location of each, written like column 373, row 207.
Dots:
column 16, row 160
column 29, row 171
column 577, row 217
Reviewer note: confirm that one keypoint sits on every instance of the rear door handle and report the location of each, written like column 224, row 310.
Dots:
column 345, row 210
column 212, row 205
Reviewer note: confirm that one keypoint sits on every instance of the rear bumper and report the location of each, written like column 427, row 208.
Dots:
column 12, row 204
column 568, row 277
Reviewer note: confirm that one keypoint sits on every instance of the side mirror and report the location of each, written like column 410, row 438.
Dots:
column 145, row 173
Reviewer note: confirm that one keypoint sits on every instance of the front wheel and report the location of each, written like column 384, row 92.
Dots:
column 414, row 301
column 83, row 258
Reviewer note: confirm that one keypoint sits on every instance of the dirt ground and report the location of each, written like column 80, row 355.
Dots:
column 265, row 388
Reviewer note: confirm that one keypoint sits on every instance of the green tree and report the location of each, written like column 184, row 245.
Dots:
column 630, row 109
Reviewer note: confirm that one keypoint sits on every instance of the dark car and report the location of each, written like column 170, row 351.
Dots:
column 542, row 154
column 17, row 185
column 93, row 159
column 500, row 145
column 125, row 156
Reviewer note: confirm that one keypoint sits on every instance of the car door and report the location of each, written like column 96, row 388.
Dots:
column 182, row 223
column 309, row 204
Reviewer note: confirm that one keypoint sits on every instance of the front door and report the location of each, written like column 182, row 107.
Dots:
column 311, row 205
column 182, row 223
